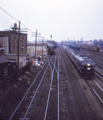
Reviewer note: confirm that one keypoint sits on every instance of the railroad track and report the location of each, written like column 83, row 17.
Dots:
column 97, row 89
column 41, row 94
column 99, row 73
column 99, row 65
column 91, row 55
column 96, row 85
column 99, row 54
column 52, row 88
column 74, row 94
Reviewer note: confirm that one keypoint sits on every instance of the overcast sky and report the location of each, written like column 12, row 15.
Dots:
column 63, row 19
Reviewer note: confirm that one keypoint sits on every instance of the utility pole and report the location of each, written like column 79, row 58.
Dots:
column 18, row 50
column 35, row 44
column 42, row 47
column 35, row 34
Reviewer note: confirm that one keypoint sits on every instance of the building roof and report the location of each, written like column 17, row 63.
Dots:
column 12, row 31
column 3, row 60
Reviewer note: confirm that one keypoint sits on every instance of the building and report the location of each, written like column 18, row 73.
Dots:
column 7, row 68
column 2, row 51
column 9, row 43
column 39, row 48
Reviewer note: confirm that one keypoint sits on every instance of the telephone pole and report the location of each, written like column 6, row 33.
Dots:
column 35, row 44
column 35, row 34
column 18, row 50
column 42, row 47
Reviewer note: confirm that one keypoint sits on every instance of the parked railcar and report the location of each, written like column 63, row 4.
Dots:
column 85, row 66
column 90, row 47
column 74, row 46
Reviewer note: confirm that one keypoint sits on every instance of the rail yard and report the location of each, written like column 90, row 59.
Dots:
column 56, row 91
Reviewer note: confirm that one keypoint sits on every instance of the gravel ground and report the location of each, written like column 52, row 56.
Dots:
column 77, row 100
column 91, row 54
column 10, row 98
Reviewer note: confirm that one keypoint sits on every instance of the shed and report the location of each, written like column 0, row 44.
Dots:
column 4, row 64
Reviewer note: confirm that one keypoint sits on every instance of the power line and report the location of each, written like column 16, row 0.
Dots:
column 3, row 24
column 15, row 18
column 4, row 18
column 9, row 14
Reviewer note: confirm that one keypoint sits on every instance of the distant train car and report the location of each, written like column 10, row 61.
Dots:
column 50, row 48
column 55, row 44
column 52, row 43
column 85, row 66
column 74, row 46
column 90, row 47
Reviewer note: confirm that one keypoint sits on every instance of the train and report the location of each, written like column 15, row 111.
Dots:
column 51, row 46
column 74, row 46
column 84, row 65
column 51, row 50
column 95, row 48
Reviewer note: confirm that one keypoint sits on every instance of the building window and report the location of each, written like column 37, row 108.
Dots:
column 17, row 37
column 22, row 46
column 21, row 42
column 13, row 46
column 1, row 35
column 21, row 49
column 21, row 37
column 14, row 66
column 13, row 37
column 5, row 71
column 25, row 46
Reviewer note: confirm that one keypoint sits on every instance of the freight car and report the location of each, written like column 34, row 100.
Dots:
column 74, row 46
column 85, row 66
column 90, row 47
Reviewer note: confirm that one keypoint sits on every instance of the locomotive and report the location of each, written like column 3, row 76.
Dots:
column 84, row 65
column 51, row 47
column 51, row 50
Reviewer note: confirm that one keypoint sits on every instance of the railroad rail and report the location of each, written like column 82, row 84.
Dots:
column 97, row 89
column 99, row 73
column 94, row 85
column 28, row 91
column 50, row 89
column 73, row 90
column 99, row 66
column 90, row 51
column 99, row 63
column 29, row 99
column 58, row 93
